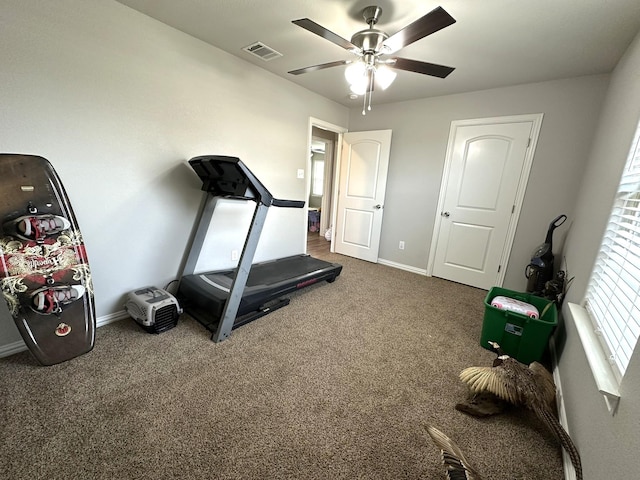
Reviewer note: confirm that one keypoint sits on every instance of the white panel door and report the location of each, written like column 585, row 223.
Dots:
column 486, row 168
column 363, row 179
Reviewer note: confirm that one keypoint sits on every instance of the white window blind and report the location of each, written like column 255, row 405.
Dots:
column 613, row 294
column 317, row 183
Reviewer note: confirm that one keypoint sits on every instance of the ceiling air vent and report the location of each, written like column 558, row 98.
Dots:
column 260, row 50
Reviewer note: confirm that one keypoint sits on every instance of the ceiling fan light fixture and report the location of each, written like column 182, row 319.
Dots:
column 355, row 72
column 384, row 76
column 359, row 87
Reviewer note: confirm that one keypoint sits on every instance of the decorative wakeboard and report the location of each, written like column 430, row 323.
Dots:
column 44, row 270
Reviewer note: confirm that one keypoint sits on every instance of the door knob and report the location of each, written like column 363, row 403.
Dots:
column 445, row 214
column 378, row 207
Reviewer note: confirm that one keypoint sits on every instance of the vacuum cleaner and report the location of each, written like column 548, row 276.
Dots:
column 540, row 268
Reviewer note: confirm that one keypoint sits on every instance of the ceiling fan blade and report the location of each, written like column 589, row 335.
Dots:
column 416, row 66
column 319, row 67
column 435, row 20
column 313, row 27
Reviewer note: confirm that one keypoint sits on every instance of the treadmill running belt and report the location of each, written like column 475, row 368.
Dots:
column 284, row 269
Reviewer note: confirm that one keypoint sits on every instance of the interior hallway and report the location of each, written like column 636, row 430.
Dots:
column 317, row 245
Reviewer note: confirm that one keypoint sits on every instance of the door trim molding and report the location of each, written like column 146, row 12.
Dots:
column 536, row 120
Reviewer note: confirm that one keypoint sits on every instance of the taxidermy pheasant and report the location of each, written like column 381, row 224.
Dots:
column 483, row 404
column 457, row 467
column 531, row 387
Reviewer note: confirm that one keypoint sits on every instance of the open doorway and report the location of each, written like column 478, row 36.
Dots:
column 324, row 145
column 320, row 221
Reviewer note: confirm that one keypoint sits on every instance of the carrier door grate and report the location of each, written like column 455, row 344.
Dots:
column 166, row 318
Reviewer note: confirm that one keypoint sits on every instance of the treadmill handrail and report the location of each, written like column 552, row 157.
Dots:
column 287, row 203
column 274, row 201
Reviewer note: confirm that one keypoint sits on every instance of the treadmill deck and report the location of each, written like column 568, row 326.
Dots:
column 204, row 295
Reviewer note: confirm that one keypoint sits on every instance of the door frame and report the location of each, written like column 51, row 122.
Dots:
column 340, row 131
column 536, row 119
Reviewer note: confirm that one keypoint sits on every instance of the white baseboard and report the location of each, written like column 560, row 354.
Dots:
column 112, row 317
column 19, row 346
column 12, row 348
column 400, row 266
column 569, row 472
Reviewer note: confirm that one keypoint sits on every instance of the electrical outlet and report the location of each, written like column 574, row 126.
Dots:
column 401, row 246
column 300, row 173
column 234, row 254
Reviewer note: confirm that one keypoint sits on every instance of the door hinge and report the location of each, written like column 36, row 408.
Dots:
column 499, row 267
column 513, row 209
column 529, row 142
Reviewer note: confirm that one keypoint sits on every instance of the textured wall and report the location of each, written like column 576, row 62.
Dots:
column 608, row 444
column 118, row 103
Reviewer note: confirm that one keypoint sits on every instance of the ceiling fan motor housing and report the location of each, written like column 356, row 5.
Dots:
column 371, row 15
column 370, row 40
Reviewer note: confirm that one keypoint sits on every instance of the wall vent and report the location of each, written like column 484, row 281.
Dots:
column 262, row 51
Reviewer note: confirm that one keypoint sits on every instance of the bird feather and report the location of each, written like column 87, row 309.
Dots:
column 456, row 465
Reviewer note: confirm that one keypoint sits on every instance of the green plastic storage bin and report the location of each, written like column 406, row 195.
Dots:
column 520, row 336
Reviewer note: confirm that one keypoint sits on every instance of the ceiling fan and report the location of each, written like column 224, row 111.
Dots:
column 373, row 48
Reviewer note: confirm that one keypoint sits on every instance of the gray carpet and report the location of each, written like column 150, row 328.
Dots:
column 338, row 385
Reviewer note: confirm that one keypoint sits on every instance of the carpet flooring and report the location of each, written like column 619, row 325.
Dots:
column 338, row 385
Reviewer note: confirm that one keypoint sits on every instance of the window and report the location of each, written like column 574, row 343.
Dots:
column 317, row 175
column 613, row 294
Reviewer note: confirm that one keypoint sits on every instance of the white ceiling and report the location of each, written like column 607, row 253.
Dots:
column 494, row 43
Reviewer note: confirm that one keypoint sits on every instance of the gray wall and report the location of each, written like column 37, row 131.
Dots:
column 118, row 103
column 420, row 133
column 609, row 445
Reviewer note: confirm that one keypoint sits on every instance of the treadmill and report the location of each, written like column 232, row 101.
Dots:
column 226, row 299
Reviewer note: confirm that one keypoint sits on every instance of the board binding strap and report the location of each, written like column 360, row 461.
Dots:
column 44, row 270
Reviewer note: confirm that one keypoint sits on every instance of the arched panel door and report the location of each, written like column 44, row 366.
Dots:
column 363, row 179
column 486, row 164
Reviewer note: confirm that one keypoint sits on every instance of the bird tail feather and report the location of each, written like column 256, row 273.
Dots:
column 565, row 440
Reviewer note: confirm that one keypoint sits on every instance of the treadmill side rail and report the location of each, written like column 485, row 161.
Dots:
column 242, row 274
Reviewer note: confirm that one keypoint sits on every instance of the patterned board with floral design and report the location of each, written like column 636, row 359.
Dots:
column 44, row 270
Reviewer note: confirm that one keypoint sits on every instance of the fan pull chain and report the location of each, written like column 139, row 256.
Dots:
column 366, row 105
column 370, row 88
column 364, row 102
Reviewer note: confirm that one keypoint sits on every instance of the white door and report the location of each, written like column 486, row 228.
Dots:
column 483, row 185
column 363, row 180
